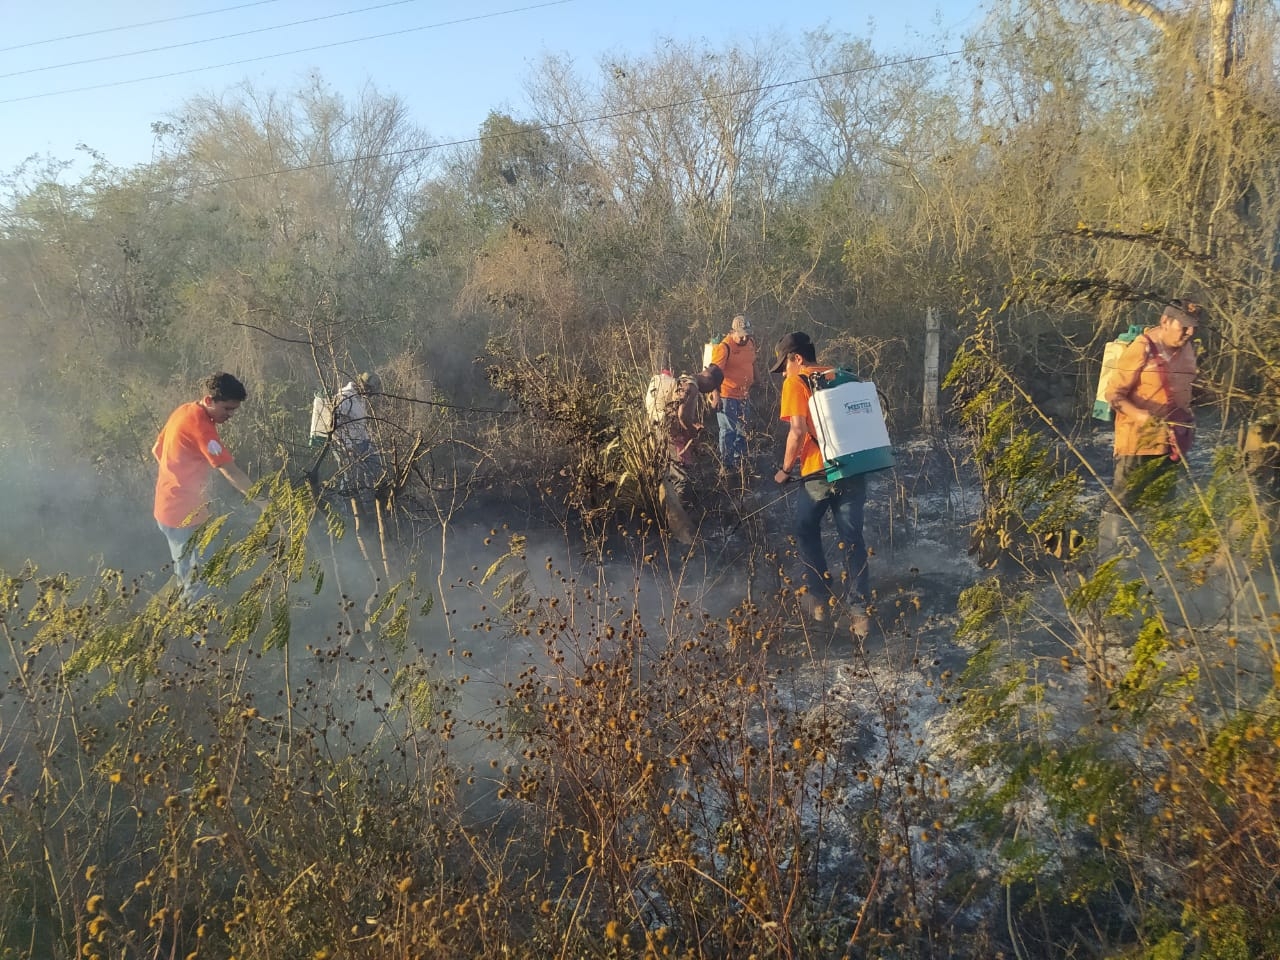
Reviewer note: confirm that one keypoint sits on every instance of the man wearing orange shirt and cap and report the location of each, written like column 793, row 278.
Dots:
column 1150, row 392
column 186, row 450
column 736, row 356
column 845, row 498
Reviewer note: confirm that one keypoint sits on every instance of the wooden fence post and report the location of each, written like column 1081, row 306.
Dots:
column 929, row 407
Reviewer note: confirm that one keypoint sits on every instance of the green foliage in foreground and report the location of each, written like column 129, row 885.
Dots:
column 623, row 793
column 1121, row 712
column 580, row 774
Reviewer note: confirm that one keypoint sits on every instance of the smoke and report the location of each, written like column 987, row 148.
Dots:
column 68, row 518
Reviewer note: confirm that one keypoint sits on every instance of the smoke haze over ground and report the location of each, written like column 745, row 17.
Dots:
column 67, row 518
column 536, row 640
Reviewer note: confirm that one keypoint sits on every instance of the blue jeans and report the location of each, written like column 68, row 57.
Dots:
column 185, row 562
column 845, row 499
column 732, row 417
column 359, row 467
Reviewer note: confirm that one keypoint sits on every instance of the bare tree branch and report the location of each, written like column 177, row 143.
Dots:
column 274, row 336
column 1147, row 10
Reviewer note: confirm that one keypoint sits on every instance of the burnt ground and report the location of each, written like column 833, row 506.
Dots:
column 890, row 697
column 917, row 521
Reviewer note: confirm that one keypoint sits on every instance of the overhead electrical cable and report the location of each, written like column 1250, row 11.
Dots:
column 617, row 115
column 203, row 40
column 287, row 53
column 134, row 26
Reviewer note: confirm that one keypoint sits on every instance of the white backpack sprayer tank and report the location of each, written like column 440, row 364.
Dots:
column 1110, row 357
column 658, row 397
column 850, row 425
column 321, row 419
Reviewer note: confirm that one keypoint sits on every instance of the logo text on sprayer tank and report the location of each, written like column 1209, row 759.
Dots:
column 857, row 406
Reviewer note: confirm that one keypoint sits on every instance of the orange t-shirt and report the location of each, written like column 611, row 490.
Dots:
column 187, row 449
column 795, row 402
column 1138, row 378
column 738, row 361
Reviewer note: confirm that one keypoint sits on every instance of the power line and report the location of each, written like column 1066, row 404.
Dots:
column 196, row 43
column 617, row 115
column 134, row 26
column 287, row 53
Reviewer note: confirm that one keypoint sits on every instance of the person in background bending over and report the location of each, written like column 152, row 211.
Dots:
column 845, row 499
column 681, row 423
column 187, row 450
column 1150, row 392
column 736, row 356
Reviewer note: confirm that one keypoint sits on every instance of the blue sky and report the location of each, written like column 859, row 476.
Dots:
column 451, row 61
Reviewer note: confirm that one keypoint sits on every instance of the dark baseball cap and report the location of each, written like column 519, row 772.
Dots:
column 1185, row 312
column 789, row 344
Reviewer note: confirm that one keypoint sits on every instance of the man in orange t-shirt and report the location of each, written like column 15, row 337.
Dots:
column 1150, row 392
column 845, row 498
column 736, row 356
column 186, row 450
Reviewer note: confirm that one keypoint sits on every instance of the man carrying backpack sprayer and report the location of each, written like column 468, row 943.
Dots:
column 845, row 498
column 1150, row 392
column 358, row 455
column 736, row 356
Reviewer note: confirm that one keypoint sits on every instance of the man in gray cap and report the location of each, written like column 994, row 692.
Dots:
column 736, row 356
